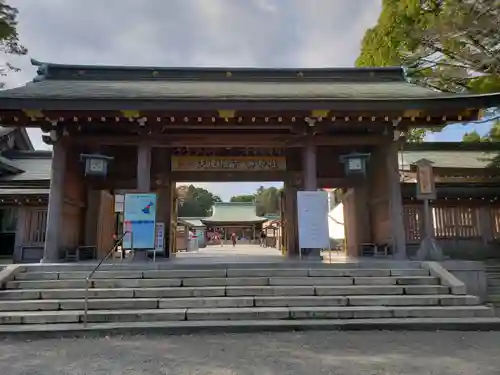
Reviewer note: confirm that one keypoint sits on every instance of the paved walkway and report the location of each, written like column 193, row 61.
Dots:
column 241, row 253
column 315, row 353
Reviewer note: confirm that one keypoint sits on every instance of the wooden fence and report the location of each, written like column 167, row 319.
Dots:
column 453, row 221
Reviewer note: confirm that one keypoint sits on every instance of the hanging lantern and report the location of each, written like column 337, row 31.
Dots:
column 96, row 164
column 354, row 163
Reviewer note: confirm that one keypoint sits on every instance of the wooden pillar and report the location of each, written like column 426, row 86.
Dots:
column 143, row 183
column 310, row 170
column 55, row 207
column 20, row 233
column 396, row 202
column 291, row 220
column 163, row 212
column 144, row 169
column 485, row 224
column 357, row 224
column 310, row 181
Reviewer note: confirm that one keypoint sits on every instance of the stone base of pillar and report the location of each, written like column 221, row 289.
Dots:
column 140, row 256
column 48, row 261
column 311, row 254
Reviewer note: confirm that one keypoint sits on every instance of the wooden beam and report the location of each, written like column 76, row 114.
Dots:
column 225, row 140
column 238, row 176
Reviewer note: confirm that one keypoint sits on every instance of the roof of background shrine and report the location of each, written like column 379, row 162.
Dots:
column 234, row 212
column 113, row 86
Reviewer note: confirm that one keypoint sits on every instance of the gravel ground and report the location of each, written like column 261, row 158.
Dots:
column 336, row 353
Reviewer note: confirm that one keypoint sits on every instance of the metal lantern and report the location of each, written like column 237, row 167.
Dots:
column 96, row 164
column 354, row 163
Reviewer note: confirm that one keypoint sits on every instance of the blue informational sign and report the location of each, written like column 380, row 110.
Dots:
column 139, row 218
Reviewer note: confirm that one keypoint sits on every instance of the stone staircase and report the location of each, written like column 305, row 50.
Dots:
column 45, row 297
column 493, row 275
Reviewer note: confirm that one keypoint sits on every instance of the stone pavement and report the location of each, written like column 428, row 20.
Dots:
column 242, row 253
column 315, row 353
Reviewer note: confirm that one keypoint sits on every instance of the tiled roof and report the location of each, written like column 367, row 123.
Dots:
column 193, row 222
column 234, row 213
column 74, row 89
column 35, row 164
column 59, row 81
column 21, row 191
column 448, row 159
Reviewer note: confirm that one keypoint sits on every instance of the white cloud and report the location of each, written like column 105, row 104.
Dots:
column 263, row 33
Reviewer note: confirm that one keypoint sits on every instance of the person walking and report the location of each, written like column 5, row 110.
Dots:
column 263, row 239
column 233, row 239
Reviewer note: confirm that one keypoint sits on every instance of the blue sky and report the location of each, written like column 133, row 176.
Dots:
column 260, row 33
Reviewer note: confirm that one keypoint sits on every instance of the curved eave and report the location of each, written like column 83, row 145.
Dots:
column 470, row 102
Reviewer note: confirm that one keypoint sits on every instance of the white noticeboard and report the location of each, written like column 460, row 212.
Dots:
column 312, row 213
column 160, row 235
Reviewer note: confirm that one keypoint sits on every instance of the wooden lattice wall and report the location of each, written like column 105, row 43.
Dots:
column 453, row 221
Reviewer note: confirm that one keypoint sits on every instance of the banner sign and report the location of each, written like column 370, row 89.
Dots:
column 229, row 163
column 312, row 213
column 140, row 220
column 119, row 203
column 160, row 236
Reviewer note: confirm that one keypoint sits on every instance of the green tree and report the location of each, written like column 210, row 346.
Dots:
column 472, row 137
column 195, row 201
column 243, row 198
column 267, row 200
column 9, row 38
column 449, row 45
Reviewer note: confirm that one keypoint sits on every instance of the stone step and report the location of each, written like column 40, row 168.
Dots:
column 494, row 282
column 33, row 294
column 389, row 312
column 202, row 265
column 374, row 280
column 229, row 281
column 493, row 290
column 249, row 313
column 72, row 330
column 107, row 291
column 493, row 298
column 219, row 273
column 234, row 302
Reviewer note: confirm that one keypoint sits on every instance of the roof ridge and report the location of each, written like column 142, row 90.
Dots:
column 115, row 72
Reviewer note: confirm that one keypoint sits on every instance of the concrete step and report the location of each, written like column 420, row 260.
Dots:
column 245, row 313
column 234, row 302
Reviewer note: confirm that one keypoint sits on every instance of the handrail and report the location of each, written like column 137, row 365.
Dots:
column 89, row 277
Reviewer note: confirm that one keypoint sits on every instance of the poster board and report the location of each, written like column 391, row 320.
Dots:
column 140, row 220
column 312, row 215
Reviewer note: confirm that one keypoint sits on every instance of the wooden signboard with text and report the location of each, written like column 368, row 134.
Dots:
column 228, row 163
column 426, row 187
